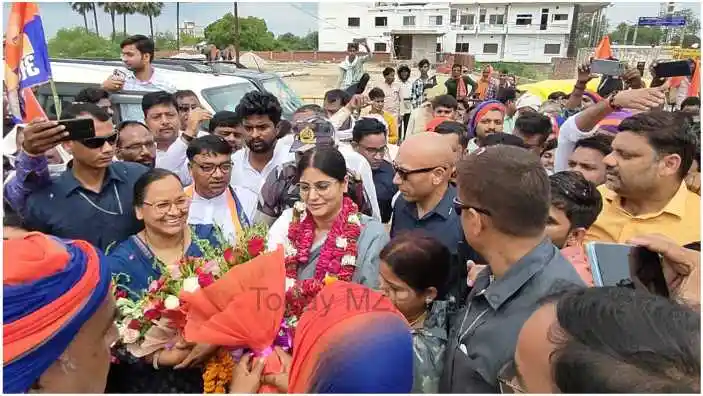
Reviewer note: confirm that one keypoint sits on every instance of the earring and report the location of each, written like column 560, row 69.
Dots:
column 428, row 301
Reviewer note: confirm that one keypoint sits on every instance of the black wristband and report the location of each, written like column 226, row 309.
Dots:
column 187, row 138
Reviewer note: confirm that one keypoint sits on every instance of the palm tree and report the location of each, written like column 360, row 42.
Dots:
column 111, row 8
column 94, row 7
column 125, row 9
column 178, row 26
column 152, row 10
column 82, row 9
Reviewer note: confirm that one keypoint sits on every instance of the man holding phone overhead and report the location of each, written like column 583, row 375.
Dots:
column 352, row 68
column 92, row 200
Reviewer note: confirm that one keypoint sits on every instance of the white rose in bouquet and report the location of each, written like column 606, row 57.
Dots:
column 172, row 302
column 191, row 285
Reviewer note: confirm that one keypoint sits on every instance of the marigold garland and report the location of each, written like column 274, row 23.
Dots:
column 218, row 372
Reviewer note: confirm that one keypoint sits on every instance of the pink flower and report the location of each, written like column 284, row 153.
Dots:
column 154, row 286
column 152, row 314
column 205, row 280
column 229, row 256
column 174, row 271
column 211, row 267
column 255, row 246
column 120, row 294
column 134, row 324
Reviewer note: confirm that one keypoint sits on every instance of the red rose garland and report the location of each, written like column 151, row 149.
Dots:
column 337, row 256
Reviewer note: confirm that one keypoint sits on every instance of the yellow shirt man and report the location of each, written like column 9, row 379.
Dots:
column 391, row 122
column 679, row 220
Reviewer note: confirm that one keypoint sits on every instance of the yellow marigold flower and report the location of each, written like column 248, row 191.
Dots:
column 329, row 279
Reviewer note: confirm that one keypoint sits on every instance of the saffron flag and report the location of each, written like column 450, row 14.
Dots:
column 26, row 61
column 603, row 50
column 695, row 88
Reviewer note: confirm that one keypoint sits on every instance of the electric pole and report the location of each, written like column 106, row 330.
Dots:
column 236, row 33
column 178, row 26
column 634, row 36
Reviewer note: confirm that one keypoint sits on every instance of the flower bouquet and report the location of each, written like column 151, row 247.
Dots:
column 256, row 306
column 156, row 318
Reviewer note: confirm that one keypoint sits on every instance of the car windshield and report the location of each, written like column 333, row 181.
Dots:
column 227, row 97
column 290, row 101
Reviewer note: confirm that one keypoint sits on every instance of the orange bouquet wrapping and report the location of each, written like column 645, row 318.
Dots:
column 243, row 309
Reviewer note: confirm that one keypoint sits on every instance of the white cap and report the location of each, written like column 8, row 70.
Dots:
column 528, row 100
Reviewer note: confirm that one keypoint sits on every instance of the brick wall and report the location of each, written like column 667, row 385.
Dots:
column 296, row 56
column 313, row 56
column 563, row 68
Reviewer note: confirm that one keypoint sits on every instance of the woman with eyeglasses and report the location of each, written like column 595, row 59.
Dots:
column 161, row 203
column 324, row 234
column 414, row 275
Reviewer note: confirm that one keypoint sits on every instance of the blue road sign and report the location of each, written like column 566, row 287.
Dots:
column 662, row 21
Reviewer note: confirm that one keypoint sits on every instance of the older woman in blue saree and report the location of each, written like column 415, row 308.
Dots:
column 162, row 204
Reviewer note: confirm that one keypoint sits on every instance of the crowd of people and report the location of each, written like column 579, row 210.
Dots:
column 475, row 203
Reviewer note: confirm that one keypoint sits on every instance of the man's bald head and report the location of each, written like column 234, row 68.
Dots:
column 425, row 150
column 423, row 166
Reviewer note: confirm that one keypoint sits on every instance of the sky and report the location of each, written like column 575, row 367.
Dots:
column 294, row 17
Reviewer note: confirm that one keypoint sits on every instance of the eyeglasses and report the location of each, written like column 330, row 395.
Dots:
column 225, row 167
column 460, row 206
column 99, row 141
column 404, row 173
column 140, row 146
column 322, row 187
column 375, row 150
column 163, row 207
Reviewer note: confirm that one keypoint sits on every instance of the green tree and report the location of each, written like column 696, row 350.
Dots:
column 111, row 8
column 693, row 24
column 253, row 32
column 589, row 31
column 125, row 9
column 289, row 42
column 645, row 35
column 77, row 43
column 310, row 41
column 82, row 9
column 151, row 10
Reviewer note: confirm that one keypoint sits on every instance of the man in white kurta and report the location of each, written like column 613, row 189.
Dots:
column 214, row 202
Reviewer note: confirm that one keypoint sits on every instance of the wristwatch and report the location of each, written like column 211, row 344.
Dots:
column 187, row 138
column 611, row 102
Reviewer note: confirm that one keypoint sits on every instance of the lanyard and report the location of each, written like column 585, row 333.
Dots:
column 96, row 206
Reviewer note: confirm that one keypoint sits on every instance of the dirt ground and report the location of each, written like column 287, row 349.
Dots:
column 322, row 77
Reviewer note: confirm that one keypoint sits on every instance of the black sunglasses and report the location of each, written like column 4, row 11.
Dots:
column 99, row 141
column 403, row 174
column 460, row 206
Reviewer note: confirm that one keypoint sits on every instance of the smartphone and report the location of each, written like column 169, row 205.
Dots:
column 79, row 128
column 607, row 67
column 673, row 69
column 119, row 74
column 625, row 265
column 363, row 82
column 640, row 67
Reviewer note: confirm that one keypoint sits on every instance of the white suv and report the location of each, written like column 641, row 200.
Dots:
column 216, row 92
